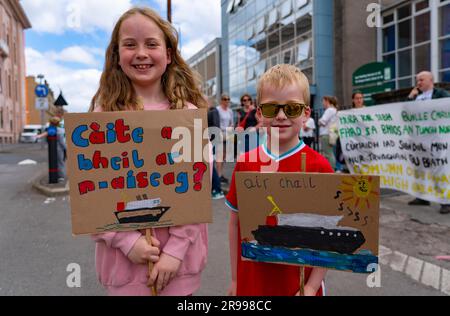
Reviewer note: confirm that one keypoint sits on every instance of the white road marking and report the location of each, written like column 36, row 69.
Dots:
column 398, row 261
column 431, row 275
column 445, row 286
column 414, row 268
column 27, row 162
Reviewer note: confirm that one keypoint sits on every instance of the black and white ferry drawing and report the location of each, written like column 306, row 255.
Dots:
column 144, row 210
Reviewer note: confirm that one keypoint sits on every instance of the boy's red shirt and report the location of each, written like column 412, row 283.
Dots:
column 266, row 279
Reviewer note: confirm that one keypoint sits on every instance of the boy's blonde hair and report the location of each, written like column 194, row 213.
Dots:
column 180, row 83
column 280, row 76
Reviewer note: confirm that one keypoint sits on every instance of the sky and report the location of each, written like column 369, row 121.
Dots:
column 68, row 38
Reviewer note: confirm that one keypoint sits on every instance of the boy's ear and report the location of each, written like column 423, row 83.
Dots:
column 258, row 114
column 307, row 112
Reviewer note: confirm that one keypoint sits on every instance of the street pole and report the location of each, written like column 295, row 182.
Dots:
column 169, row 11
column 41, row 77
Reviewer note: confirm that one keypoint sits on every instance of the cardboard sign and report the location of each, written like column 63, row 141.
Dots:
column 318, row 220
column 137, row 170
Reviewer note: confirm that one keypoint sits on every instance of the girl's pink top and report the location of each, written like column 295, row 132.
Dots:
column 188, row 243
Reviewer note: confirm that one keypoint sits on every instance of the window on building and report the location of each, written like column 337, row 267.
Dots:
column 444, row 41
column 406, row 40
column 260, row 25
column 230, row 7
column 1, row 118
column 288, row 57
column 272, row 18
column 304, row 50
column 286, row 9
column 301, row 3
column 1, row 82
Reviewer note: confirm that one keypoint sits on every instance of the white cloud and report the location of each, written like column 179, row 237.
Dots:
column 78, row 86
column 199, row 21
column 84, row 16
column 75, row 54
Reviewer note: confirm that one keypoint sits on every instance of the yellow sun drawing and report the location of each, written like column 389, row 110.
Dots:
column 359, row 192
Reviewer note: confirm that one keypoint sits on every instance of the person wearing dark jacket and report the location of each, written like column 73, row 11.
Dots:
column 214, row 121
column 423, row 91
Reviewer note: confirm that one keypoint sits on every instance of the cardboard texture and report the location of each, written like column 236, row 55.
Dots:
column 318, row 220
column 125, row 171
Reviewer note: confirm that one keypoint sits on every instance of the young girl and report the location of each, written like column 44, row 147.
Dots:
column 145, row 71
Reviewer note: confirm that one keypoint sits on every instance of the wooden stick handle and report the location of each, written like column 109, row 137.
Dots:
column 148, row 236
column 302, row 269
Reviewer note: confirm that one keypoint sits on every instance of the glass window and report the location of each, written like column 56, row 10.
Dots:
column 405, row 83
column 274, row 60
column 288, row 33
column 261, row 44
column 445, row 76
column 404, row 34
column 309, row 74
column 445, row 53
column 404, row 63
column 445, row 20
column 422, row 5
column 390, row 59
column 404, row 12
column 273, row 17
column 303, row 25
column 274, row 40
column 301, row 3
column 287, row 57
column 388, row 18
column 389, row 39
column 423, row 58
column 230, row 6
column 260, row 25
column 423, row 28
column 304, row 49
column 260, row 68
column 286, row 9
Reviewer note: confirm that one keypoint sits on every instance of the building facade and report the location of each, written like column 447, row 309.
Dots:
column 330, row 39
column 207, row 63
column 258, row 34
column 13, row 22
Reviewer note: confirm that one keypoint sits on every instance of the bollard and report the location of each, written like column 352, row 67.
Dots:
column 52, row 140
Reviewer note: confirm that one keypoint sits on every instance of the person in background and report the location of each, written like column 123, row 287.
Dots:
column 226, row 122
column 307, row 132
column 328, row 118
column 248, row 123
column 358, row 100
column 423, row 91
column 214, row 121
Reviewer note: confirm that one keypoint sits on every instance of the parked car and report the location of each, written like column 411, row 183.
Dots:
column 30, row 133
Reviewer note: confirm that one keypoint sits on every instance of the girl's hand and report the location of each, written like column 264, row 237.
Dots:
column 142, row 252
column 308, row 291
column 164, row 271
column 232, row 289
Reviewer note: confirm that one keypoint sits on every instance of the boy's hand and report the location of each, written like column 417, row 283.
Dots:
column 232, row 290
column 142, row 252
column 164, row 271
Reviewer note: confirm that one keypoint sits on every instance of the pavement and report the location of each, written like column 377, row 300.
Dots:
column 38, row 249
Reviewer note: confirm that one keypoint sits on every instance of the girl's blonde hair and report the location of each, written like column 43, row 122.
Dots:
column 282, row 75
column 180, row 83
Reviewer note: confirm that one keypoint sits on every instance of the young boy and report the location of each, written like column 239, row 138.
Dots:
column 283, row 94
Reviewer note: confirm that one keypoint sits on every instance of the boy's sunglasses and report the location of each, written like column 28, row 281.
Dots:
column 292, row 110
